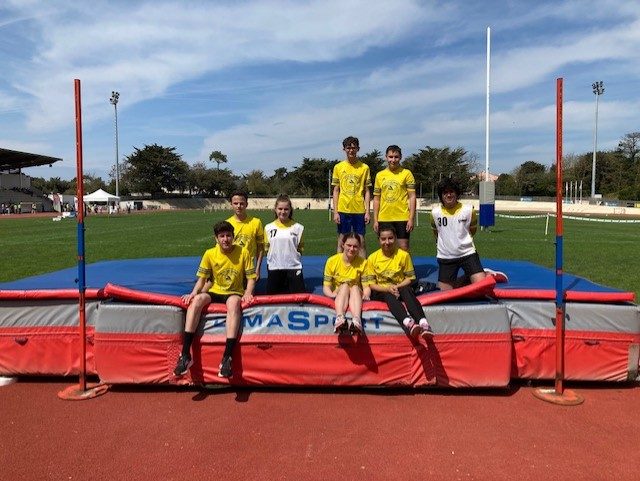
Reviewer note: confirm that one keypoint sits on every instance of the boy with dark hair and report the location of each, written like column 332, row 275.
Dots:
column 248, row 230
column 454, row 224
column 394, row 198
column 225, row 268
column 351, row 181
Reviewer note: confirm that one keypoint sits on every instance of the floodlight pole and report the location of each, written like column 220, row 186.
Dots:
column 559, row 395
column 598, row 90
column 114, row 101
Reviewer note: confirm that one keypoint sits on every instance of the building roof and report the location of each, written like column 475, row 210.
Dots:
column 12, row 159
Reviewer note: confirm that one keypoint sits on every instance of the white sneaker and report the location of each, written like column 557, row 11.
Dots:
column 341, row 324
column 5, row 381
column 356, row 325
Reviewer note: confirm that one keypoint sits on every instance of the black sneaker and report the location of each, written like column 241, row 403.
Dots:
column 184, row 363
column 224, row 370
column 423, row 287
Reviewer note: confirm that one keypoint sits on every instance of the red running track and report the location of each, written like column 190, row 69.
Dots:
column 144, row 433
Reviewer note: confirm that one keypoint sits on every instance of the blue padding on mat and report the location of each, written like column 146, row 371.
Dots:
column 176, row 275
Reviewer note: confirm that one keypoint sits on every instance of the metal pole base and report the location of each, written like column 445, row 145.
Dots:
column 76, row 393
column 566, row 398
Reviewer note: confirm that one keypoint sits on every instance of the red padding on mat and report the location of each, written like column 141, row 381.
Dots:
column 126, row 294
column 479, row 289
column 589, row 355
column 44, row 350
column 51, row 294
column 577, row 296
column 462, row 360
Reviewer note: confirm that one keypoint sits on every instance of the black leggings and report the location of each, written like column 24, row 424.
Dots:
column 397, row 308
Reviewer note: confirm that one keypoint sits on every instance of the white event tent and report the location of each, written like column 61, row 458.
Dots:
column 101, row 196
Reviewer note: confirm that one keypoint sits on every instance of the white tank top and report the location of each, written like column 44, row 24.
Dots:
column 283, row 245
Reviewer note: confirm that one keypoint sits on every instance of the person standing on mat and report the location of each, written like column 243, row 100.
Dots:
column 454, row 224
column 284, row 245
column 343, row 282
column 351, row 181
column 226, row 268
column 248, row 230
column 394, row 197
column 389, row 275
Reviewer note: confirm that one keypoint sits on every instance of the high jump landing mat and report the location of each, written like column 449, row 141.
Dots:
column 484, row 334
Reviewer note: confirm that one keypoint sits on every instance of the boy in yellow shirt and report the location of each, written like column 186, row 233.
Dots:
column 394, row 198
column 351, row 181
column 248, row 231
column 224, row 268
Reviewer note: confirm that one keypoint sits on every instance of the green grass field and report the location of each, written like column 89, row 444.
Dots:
column 606, row 253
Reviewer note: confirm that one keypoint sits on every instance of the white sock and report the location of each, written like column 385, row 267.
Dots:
column 408, row 322
column 423, row 322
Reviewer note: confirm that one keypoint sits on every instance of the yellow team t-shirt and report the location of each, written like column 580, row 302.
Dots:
column 393, row 189
column 336, row 272
column 386, row 271
column 248, row 233
column 227, row 270
column 352, row 179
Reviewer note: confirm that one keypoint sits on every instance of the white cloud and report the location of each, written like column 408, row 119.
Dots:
column 408, row 72
column 149, row 47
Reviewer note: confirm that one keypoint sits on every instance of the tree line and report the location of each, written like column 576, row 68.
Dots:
column 159, row 171
column 617, row 173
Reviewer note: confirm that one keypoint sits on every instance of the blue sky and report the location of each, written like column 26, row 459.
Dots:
column 270, row 82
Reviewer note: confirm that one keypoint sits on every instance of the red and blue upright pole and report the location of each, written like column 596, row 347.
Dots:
column 82, row 390
column 560, row 307
column 559, row 395
column 80, row 237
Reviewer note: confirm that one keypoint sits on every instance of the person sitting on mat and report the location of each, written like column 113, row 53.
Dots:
column 454, row 224
column 225, row 267
column 343, row 282
column 284, row 246
column 389, row 275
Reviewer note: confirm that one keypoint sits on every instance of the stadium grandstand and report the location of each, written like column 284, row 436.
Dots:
column 17, row 195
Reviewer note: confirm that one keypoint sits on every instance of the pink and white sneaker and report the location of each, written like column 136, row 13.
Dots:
column 499, row 276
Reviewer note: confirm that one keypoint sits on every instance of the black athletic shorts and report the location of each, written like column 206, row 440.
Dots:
column 448, row 268
column 400, row 227
column 219, row 298
column 285, row 281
